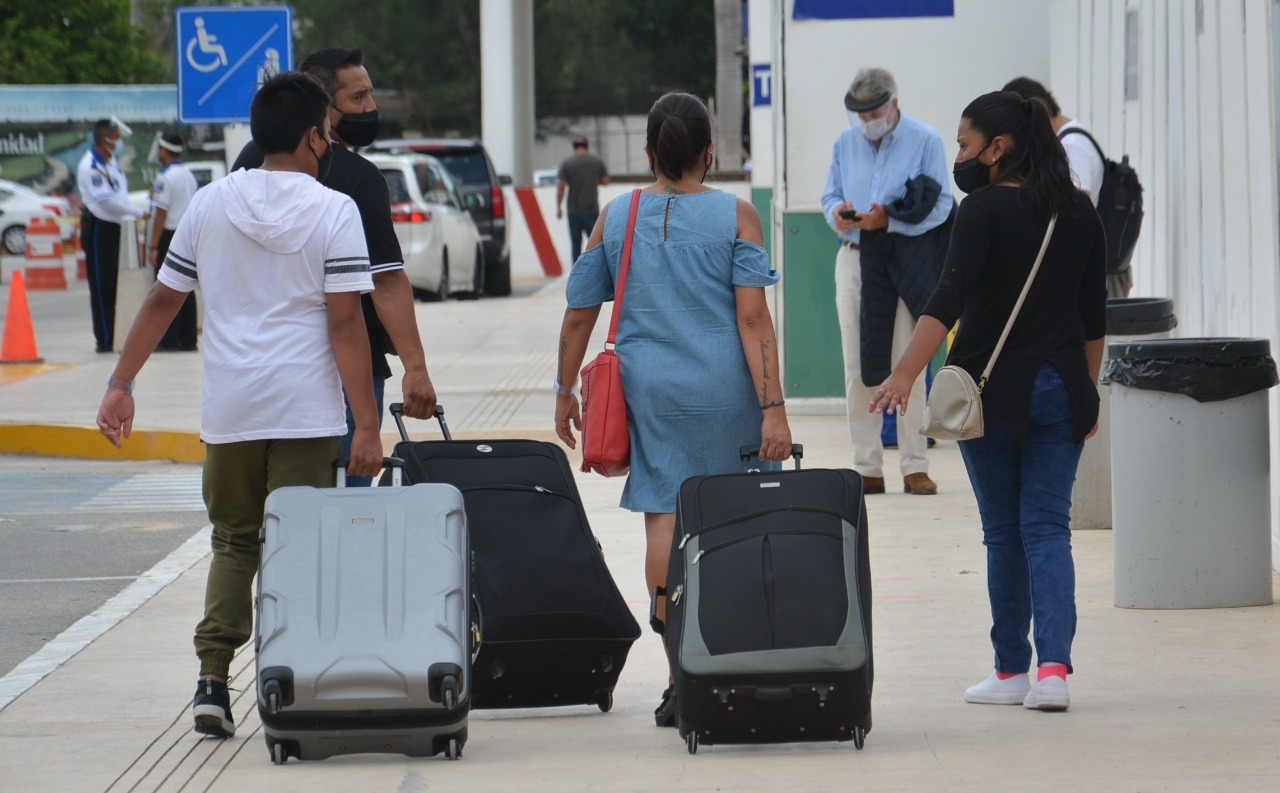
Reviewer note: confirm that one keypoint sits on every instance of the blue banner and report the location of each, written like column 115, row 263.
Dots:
column 872, row 9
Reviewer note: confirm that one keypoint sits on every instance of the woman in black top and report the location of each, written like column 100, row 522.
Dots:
column 1041, row 402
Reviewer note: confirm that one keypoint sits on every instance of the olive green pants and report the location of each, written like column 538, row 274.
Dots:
column 237, row 479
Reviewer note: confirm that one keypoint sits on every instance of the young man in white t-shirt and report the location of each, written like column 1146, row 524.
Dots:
column 281, row 262
column 1086, row 163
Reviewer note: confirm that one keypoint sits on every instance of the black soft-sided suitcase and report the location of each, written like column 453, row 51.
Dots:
column 769, row 608
column 556, row 629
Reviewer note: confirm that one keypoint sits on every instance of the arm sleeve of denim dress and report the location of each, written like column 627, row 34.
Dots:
column 751, row 265
column 591, row 281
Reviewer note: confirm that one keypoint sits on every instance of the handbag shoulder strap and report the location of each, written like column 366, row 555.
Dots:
column 624, row 266
column 1017, row 307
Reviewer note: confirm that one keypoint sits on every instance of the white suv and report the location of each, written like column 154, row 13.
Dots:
column 441, row 245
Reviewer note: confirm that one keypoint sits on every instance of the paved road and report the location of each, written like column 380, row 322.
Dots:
column 73, row 533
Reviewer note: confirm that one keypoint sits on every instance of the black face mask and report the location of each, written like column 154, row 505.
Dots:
column 324, row 163
column 971, row 174
column 358, row 129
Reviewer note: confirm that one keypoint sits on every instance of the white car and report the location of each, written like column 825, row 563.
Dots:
column 440, row 242
column 18, row 205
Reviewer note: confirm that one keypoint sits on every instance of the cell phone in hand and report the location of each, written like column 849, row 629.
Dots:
column 850, row 214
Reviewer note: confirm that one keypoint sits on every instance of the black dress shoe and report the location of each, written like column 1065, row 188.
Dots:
column 665, row 715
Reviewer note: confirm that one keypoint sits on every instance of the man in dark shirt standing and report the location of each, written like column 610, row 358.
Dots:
column 582, row 174
column 388, row 313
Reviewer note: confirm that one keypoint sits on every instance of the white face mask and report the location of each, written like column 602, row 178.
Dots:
column 877, row 128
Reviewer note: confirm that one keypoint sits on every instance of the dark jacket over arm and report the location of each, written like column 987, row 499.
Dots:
column 898, row 266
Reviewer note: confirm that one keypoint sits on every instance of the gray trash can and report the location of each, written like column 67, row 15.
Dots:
column 1127, row 317
column 1191, row 472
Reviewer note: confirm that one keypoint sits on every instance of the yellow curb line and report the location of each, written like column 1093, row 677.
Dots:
column 52, row 440
column 86, row 442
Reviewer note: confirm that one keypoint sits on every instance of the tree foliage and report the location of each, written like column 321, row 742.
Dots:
column 591, row 57
column 74, row 41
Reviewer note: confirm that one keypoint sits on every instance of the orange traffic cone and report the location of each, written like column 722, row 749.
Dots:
column 19, row 334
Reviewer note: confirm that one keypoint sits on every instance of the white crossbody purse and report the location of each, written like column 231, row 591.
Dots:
column 953, row 411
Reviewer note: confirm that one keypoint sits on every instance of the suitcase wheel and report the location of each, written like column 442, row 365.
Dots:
column 859, row 737
column 691, row 742
column 278, row 755
column 454, row 749
column 605, row 703
column 449, row 693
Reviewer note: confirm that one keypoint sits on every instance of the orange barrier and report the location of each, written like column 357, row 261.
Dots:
column 44, row 265
column 19, row 334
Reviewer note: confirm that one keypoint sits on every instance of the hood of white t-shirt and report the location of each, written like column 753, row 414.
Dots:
column 277, row 209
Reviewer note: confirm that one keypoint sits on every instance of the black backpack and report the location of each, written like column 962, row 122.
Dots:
column 1119, row 206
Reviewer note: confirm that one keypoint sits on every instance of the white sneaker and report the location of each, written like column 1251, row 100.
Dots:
column 994, row 691
column 1048, row 694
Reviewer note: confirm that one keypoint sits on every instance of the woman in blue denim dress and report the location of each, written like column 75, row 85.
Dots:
column 696, row 341
column 1041, row 402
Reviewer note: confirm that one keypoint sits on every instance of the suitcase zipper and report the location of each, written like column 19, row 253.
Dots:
column 761, row 513
column 764, row 535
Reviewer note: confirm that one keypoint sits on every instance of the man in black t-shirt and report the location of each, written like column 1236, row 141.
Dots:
column 388, row 312
column 581, row 175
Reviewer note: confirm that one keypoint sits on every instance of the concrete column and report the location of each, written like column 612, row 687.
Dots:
column 506, row 86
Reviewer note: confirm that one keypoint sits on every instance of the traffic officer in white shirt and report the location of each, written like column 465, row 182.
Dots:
column 170, row 195
column 105, row 192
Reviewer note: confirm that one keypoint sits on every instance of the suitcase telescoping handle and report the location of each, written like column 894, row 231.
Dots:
column 397, row 412
column 749, row 453
column 394, row 463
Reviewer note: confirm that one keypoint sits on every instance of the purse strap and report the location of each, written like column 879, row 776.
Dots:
column 623, row 267
column 1017, row 307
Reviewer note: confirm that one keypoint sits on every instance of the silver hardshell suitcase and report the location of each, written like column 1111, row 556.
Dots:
column 365, row 625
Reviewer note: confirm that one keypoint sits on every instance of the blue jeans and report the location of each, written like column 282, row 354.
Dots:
column 1024, row 497
column 379, row 386
column 580, row 227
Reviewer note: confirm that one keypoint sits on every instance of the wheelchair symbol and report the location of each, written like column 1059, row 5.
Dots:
column 209, row 46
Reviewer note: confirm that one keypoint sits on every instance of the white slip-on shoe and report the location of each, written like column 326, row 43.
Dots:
column 994, row 691
column 1048, row 694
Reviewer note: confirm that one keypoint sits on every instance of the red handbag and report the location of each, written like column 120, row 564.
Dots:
column 606, row 439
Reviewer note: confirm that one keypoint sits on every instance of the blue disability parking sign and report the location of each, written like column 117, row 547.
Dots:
column 224, row 54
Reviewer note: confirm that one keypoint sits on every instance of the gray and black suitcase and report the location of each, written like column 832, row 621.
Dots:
column 769, row 608
column 365, row 621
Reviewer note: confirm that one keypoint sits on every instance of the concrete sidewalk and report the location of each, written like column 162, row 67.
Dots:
column 1161, row 701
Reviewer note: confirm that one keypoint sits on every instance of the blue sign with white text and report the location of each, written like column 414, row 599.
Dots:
column 225, row 53
column 761, row 84
column 872, row 9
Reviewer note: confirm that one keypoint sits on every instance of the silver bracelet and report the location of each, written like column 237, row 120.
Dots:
column 122, row 385
column 560, row 388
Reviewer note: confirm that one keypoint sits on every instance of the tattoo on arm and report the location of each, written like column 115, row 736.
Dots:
column 764, row 372
column 564, row 346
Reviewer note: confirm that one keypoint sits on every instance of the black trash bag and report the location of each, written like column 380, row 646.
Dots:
column 1140, row 316
column 1207, row 370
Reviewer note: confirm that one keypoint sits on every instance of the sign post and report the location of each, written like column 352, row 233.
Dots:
column 225, row 53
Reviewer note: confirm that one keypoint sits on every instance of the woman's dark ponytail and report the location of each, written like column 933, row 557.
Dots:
column 678, row 132
column 1038, row 159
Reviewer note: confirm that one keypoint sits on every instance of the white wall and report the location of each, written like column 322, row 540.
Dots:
column 618, row 140
column 939, row 63
column 1202, row 135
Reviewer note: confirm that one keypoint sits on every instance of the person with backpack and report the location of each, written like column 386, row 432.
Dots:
column 1089, row 170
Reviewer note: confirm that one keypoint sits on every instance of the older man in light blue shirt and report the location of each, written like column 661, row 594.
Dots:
column 870, row 165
